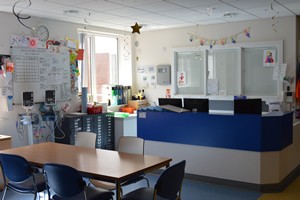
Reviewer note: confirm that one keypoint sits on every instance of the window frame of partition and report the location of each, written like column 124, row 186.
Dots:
column 239, row 51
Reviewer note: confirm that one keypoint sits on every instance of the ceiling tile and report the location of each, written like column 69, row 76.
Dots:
column 131, row 3
column 126, row 12
column 193, row 3
column 158, row 7
column 120, row 14
column 99, row 5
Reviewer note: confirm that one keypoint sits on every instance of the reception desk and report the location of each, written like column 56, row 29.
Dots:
column 257, row 152
column 269, row 132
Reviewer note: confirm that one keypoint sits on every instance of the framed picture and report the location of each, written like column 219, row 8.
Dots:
column 269, row 58
column 181, row 79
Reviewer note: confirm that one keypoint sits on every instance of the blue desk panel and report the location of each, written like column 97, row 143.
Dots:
column 240, row 131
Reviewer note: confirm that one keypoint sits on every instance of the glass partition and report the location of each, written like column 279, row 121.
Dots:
column 190, row 73
column 224, row 68
column 228, row 70
column 258, row 76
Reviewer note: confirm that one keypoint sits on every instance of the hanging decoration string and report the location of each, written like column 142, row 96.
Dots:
column 274, row 17
column 18, row 14
column 211, row 42
column 86, row 21
column 126, row 53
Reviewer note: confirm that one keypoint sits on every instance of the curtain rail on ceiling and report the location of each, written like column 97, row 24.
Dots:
column 101, row 32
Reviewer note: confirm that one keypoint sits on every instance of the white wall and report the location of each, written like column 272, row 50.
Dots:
column 155, row 46
column 58, row 31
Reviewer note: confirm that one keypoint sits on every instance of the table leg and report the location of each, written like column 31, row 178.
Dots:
column 118, row 190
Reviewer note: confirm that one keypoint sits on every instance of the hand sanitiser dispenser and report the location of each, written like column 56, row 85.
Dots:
column 163, row 74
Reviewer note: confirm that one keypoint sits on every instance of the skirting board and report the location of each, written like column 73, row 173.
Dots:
column 264, row 188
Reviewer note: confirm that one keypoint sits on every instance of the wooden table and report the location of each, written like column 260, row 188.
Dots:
column 5, row 143
column 93, row 163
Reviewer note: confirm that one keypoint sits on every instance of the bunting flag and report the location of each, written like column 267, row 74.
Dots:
column 233, row 38
column 202, row 42
column 212, row 43
column 247, row 32
column 222, row 41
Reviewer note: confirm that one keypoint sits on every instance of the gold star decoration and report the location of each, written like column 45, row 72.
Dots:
column 136, row 28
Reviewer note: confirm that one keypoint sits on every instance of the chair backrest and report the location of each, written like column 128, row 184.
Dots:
column 131, row 144
column 15, row 168
column 85, row 139
column 64, row 180
column 169, row 183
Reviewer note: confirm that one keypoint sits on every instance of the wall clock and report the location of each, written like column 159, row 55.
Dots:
column 42, row 33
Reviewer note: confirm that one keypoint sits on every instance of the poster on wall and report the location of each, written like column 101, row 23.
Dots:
column 269, row 58
column 181, row 79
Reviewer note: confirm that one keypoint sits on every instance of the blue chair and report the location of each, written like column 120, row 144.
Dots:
column 167, row 187
column 67, row 183
column 20, row 177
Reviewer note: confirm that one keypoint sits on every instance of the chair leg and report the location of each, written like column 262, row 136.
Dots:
column 121, row 191
column 4, row 192
column 148, row 184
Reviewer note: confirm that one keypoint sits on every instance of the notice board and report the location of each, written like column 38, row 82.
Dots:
column 39, row 70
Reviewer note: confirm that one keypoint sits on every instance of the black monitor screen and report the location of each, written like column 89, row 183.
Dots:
column 199, row 105
column 248, row 106
column 170, row 101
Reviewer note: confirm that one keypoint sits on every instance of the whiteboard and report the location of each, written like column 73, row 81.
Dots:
column 39, row 70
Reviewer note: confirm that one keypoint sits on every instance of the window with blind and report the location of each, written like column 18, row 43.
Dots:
column 106, row 62
column 227, row 70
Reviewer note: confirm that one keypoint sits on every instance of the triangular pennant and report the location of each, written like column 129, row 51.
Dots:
column 247, row 32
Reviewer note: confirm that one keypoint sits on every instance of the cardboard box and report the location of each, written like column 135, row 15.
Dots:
column 138, row 103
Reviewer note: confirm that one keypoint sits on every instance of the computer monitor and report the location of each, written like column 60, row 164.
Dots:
column 170, row 101
column 248, row 106
column 28, row 100
column 196, row 105
column 50, row 97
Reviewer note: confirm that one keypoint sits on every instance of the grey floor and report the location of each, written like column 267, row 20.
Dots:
column 191, row 190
